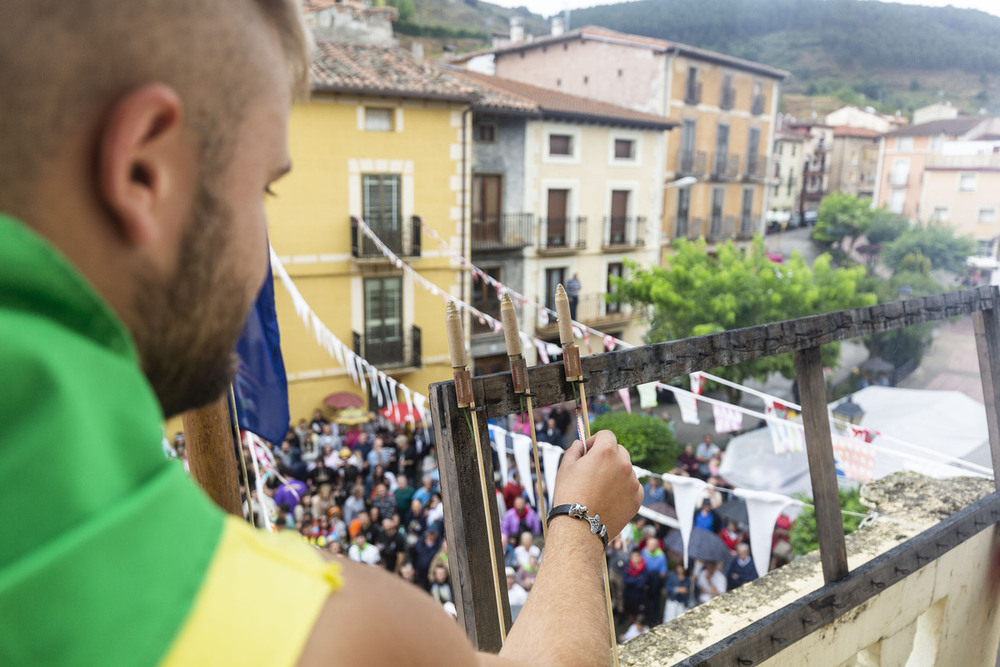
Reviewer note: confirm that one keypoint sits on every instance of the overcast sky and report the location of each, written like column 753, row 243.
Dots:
column 550, row 7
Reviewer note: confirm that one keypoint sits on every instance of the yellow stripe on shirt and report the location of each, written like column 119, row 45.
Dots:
column 258, row 603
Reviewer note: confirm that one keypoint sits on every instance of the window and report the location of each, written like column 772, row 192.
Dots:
column 560, row 144
column 381, row 204
column 727, row 96
column 967, row 182
column 692, row 91
column 683, row 212
column 718, row 195
column 618, row 226
column 378, row 119
column 940, row 214
column 900, row 175
column 486, row 133
column 791, row 180
column 615, row 270
column 624, row 149
column 897, row 199
column 987, row 216
column 936, row 143
column 904, row 143
column 384, row 320
column 746, row 212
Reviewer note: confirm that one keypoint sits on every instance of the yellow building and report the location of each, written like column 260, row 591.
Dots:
column 381, row 139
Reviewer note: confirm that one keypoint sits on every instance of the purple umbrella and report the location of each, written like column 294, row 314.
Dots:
column 290, row 493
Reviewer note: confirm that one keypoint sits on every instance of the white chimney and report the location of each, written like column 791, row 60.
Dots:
column 558, row 27
column 516, row 29
column 417, row 49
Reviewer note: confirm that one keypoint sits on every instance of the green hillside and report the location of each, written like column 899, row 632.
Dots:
column 889, row 55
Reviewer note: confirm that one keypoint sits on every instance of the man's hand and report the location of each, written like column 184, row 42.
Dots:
column 602, row 479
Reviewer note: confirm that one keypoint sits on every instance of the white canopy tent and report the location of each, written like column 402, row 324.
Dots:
column 946, row 422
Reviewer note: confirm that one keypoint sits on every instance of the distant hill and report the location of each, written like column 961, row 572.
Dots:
column 896, row 56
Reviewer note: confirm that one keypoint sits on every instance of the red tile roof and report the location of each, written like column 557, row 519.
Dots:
column 950, row 126
column 496, row 93
column 379, row 70
column 857, row 132
column 658, row 45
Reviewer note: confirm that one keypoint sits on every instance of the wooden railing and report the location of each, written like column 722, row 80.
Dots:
column 466, row 520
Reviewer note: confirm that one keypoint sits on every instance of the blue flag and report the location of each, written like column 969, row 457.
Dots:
column 261, row 386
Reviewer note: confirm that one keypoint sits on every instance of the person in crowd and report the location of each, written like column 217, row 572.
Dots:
column 526, row 549
column 512, row 489
column 638, row 627
column 551, row 433
column 424, row 493
column 435, row 509
column 656, row 566
column 403, row 495
column 318, row 421
column 781, row 543
column 423, row 552
column 363, row 551
column 706, row 518
column 679, row 588
column 741, row 569
column 302, row 430
column 711, row 582
column 382, row 500
column 328, row 437
column 653, row 491
column 706, row 450
column 392, row 544
column 440, row 586
column 519, row 518
column 573, row 288
column 688, row 462
column 526, row 575
column 732, row 535
column 516, row 594
column 407, row 573
column 636, row 582
column 355, row 504
column 618, row 558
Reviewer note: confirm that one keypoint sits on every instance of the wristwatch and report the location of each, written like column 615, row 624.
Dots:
column 578, row 511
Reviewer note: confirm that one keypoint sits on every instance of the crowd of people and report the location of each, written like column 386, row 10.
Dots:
column 371, row 493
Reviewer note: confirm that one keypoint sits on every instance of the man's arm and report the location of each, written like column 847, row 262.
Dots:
column 564, row 621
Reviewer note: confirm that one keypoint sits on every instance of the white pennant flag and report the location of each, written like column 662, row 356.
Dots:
column 352, row 371
column 522, row 458
column 408, row 397
column 543, row 316
column 687, row 493
column 550, row 459
column 391, row 393
column 689, row 407
column 763, row 509
column 727, row 418
column 499, row 438
column 542, row 354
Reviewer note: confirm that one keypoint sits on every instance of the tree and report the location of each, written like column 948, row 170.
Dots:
column 937, row 243
column 803, row 534
column 407, row 10
column 649, row 440
column 700, row 294
column 840, row 217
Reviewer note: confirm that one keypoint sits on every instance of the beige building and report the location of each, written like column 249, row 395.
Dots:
column 903, row 154
column 562, row 185
column 786, row 184
column 961, row 188
column 817, row 163
column 726, row 108
column 854, row 161
column 867, row 118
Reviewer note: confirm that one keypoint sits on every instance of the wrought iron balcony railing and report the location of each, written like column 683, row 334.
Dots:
column 562, row 234
column 624, row 231
column 501, row 231
column 691, row 163
column 725, row 166
column 395, row 351
column 392, row 233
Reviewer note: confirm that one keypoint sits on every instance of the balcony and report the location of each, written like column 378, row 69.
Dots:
column 756, row 168
column 391, row 352
column 624, row 232
column 557, row 235
column 692, row 93
column 727, row 99
column 695, row 229
column 970, row 162
column 393, row 236
column 748, row 227
column 757, row 106
column 725, row 166
column 721, row 228
column 501, row 231
column 691, row 163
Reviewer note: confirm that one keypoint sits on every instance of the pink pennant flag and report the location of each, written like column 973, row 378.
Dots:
column 727, row 418
column 626, row 399
column 542, row 353
column 543, row 316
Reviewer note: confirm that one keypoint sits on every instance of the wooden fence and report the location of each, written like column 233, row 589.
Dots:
column 475, row 586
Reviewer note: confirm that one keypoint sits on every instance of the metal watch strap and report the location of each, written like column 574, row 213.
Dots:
column 578, row 511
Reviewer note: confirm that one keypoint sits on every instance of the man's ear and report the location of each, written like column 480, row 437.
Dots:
column 137, row 160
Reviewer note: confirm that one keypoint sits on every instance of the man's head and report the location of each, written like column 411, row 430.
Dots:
column 743, row 550
column 142, row 153
column 519, row 504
